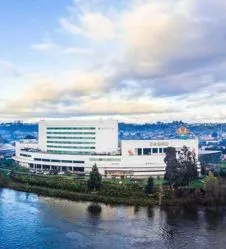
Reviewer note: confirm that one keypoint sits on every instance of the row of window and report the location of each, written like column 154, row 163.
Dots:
column 70, row 147
column 56, row 160
column 105, row 159
column 68, row 142
column 71, row 133
column 25, row 155
column 80, row 138
column 70, row 152
column 149, row 151
column 71, row 128
column 63, row 168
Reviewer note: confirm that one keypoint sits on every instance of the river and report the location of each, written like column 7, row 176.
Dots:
column 28, row 221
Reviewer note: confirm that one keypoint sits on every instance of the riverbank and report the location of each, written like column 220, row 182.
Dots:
column 123, row 193
column 95, row 197
column 74, row 196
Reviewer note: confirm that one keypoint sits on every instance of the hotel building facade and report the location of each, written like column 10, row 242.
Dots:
column 77, row 145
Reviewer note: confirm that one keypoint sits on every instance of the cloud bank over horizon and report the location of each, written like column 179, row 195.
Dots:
column 137, row 61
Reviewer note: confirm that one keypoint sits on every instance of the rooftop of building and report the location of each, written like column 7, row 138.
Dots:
column 206, row 152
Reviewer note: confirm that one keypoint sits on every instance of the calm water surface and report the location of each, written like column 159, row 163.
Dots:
column 29, row 221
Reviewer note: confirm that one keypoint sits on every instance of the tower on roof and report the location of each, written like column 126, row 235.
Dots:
column 183, row 132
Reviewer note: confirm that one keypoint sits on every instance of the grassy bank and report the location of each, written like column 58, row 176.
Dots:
column 75, row 196
column 116, row 191
column 96, row 197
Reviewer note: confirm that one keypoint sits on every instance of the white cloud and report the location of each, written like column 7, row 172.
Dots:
column 86, row 82
column 46, row 92
column 77, row 50
column 92, row 25
column 44, row 46
column 155, row 38
column 146, row 57
column 8, row 69
column 57, row 49
column 120, row 105
column 163, row 37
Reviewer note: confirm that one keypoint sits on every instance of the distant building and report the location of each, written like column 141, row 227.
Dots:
column 77, row 145
column 210, row 159
column 7, row 151
column 210, row 156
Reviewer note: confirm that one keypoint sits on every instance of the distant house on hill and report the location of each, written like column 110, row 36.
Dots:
column 29, row 137
column 6, row 151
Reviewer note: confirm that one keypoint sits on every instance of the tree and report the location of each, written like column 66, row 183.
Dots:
column 95, row 179
column 2, row 179
column 149, row 186
column 212, row 187
column 203, row 169
column 172, row 167
column 188, row 164
column 181, row 167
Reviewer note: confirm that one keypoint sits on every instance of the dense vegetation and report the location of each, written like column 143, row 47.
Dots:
column 211, row 192
column 181, row 167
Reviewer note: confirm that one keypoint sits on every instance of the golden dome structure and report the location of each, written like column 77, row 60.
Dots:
column 183, row 132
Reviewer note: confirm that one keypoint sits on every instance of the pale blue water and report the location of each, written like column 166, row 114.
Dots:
column 39, row 222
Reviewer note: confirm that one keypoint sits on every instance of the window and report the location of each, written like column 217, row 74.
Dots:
column 25, row 155
column 55, row 161
column 75, row 133
column 146, row 151
column 154, row 150
column 62, row 137
column 160, row 150
column 37, row 159
column 105, row 159
column 69, row 147
column 71, row 128
column 46, row 160
column 68, row 142
column 78, row 161
column 139, row 151
column 164, row 150
column 66, row 161
column 78, row 169
column 69, row 152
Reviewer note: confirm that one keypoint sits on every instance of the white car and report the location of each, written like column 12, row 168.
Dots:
column 61, row 173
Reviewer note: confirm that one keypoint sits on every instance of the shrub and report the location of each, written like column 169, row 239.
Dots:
column 149, row 186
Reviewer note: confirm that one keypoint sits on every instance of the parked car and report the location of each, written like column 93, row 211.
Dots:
column 61, row 173
column 53, row 172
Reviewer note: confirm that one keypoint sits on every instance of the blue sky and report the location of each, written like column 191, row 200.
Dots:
column 134, row 60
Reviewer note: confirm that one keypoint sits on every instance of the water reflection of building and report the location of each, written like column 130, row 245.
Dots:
column 72, row 210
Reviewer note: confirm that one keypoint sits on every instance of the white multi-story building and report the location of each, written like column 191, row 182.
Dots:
column 77, row 145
